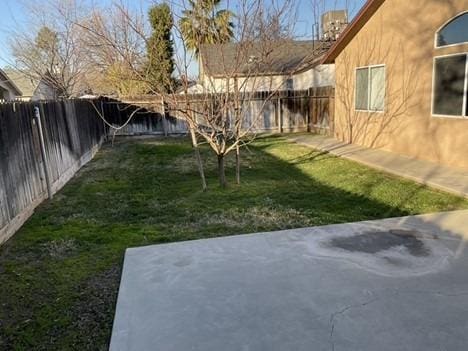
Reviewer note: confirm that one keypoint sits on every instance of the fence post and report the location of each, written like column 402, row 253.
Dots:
column 308, row 110
column 164, row 122
column 280, row 115
column 37, row 115
column 331, row 114
column 164, row 117
column 103, row 117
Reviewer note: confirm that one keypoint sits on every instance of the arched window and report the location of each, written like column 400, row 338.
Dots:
column 450, row 81
column 454, row 32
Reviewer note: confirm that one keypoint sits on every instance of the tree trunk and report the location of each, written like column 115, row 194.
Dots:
column 221, row 171
column 198, row 158
column 238, row 165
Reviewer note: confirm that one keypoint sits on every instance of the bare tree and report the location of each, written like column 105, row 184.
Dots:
column 51, row 49
column 76, row 46
column 116, row 39
column 221, row 114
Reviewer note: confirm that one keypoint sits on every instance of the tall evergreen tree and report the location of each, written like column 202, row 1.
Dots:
column 160, row 49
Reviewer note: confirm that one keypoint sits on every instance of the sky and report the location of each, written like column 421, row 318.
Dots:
column 14, row 16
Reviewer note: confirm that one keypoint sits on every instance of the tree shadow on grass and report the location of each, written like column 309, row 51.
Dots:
column 142, row 192
column 277, row 192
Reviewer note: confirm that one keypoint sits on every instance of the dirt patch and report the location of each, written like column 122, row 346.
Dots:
column 94, row 310
column 256, row 217
column 60, row 248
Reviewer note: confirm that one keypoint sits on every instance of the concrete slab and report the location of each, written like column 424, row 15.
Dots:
column 438, row 176
column 393, row 284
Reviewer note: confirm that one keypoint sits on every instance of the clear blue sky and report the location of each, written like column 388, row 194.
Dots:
column 14, row 16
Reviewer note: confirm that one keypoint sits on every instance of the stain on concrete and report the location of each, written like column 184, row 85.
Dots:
column 394, row 261
column 375, row 241
column 183, row 262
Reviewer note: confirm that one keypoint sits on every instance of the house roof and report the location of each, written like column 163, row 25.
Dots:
column 5, row 77
column 270, row 58
column 363, row 16
column 26, row 84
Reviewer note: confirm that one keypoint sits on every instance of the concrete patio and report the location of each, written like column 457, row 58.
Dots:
column 437, row 176
column 393, row 284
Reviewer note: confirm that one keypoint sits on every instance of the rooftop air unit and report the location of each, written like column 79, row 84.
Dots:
column 333, row 23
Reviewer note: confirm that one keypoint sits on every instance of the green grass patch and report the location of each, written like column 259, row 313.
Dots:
column 59, row 274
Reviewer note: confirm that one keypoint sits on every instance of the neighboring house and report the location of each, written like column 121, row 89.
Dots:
column 264, row 66
column 196, row 88
column 8, row 89
column 31, row 89
column 192, row 88
column 402, row 79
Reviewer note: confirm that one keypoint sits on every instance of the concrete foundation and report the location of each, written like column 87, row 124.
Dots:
column 394, row 284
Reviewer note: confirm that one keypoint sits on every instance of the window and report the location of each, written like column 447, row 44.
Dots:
column 454, row 32
column 289, row 84
column 370, row 88
column 450, row 85
column 362, row 89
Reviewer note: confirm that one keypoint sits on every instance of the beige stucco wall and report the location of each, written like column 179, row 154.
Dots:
column 262, row 83
column 401, row 36
column 320, row 76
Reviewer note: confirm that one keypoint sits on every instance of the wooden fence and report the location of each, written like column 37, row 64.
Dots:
column 150, row 120
column 41, row 155
column 43, row 144
column 283, row 111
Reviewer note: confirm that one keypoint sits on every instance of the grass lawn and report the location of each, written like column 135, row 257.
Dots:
column 59, row 274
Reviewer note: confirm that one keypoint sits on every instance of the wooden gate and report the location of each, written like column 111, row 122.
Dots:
column 321, row 110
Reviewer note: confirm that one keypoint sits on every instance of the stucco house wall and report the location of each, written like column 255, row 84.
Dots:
column 31, row 89
column 260, row 83
column 44, row 92
column 8, row 91
column 401, row 36
column 319, row 76
column 265, row 66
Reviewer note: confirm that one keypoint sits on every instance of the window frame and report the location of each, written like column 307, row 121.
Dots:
column 465, row 87
column 436, row 36
column 369, row 90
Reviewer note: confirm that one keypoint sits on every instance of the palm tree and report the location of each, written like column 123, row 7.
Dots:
column 202, row 23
